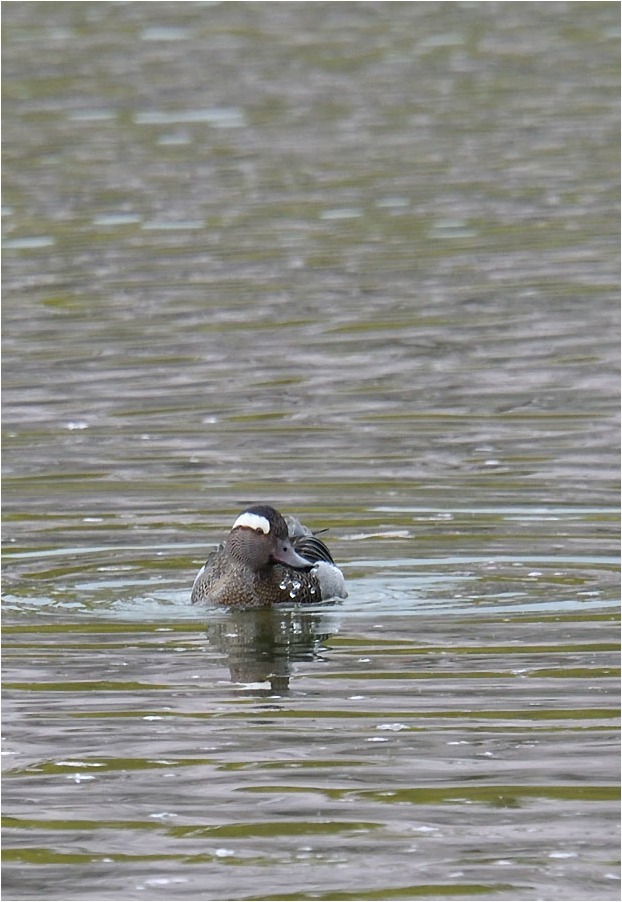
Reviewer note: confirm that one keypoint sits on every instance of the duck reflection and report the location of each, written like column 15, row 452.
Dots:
column 262, row 644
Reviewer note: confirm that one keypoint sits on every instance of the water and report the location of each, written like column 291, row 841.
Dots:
column 358, row 261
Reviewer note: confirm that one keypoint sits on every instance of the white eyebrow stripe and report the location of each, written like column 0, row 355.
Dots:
column 253, row 521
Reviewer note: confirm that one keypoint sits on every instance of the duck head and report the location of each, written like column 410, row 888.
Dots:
column 259, row 538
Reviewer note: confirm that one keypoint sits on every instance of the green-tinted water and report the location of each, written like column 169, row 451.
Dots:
column 359, row 261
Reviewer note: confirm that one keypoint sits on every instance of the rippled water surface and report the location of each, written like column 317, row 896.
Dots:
column 358, row 260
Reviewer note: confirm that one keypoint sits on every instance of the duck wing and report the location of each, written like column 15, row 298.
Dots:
column 312, row 548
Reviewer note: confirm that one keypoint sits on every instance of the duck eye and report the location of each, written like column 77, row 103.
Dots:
column 259, row 532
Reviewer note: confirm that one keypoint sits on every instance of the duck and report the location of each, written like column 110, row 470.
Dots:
column 268, row 559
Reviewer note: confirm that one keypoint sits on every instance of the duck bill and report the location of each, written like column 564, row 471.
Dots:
column 285, row 554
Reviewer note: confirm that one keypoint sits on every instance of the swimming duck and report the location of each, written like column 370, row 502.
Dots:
column 268, row 559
